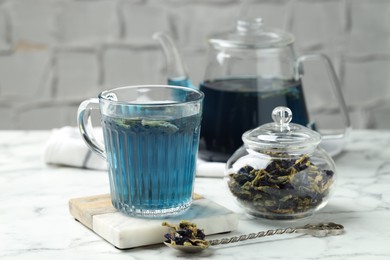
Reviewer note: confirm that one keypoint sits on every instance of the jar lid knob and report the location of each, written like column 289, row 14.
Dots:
column 282, row 116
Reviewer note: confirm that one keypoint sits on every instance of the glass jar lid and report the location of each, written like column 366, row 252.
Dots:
column 251, row 33
column 281, row 135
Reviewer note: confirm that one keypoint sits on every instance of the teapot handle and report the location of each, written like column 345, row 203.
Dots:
column 336, row 90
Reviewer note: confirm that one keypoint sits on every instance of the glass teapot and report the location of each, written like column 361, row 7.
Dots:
column 249, row 72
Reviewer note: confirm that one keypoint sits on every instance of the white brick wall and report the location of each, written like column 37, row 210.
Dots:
column 56, row 53
column 88, row 21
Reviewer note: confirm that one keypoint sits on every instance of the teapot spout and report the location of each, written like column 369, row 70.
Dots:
column 176, row 72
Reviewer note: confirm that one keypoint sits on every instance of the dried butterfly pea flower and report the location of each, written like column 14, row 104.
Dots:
column 285, row 186
column 186, row 234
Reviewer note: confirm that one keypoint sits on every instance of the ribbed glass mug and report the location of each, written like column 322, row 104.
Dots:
column 151, row 138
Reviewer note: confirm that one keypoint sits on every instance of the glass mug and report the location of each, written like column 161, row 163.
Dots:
column 151, row 138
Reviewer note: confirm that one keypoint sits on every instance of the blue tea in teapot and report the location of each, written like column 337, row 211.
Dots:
column 234, row 105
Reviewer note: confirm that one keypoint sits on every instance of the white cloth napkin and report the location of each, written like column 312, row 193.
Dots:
column 210, row 169
column 66, row 147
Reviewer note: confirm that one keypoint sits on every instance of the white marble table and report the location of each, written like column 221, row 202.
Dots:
column 35, row 222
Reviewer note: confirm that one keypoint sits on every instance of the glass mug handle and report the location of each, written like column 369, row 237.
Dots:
column 85, row 125
column 336, row 90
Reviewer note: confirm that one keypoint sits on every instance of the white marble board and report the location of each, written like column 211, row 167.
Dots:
column 122, row 231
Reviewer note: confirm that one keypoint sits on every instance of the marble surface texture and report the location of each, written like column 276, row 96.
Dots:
column 35, row 222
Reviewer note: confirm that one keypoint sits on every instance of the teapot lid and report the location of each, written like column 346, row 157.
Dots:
column 281, row 134
column 251, row 33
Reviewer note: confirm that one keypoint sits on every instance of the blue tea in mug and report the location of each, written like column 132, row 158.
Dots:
column 151, row 163
column 151, row 138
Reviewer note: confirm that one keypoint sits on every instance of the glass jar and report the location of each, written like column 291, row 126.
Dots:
column 281, row 172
